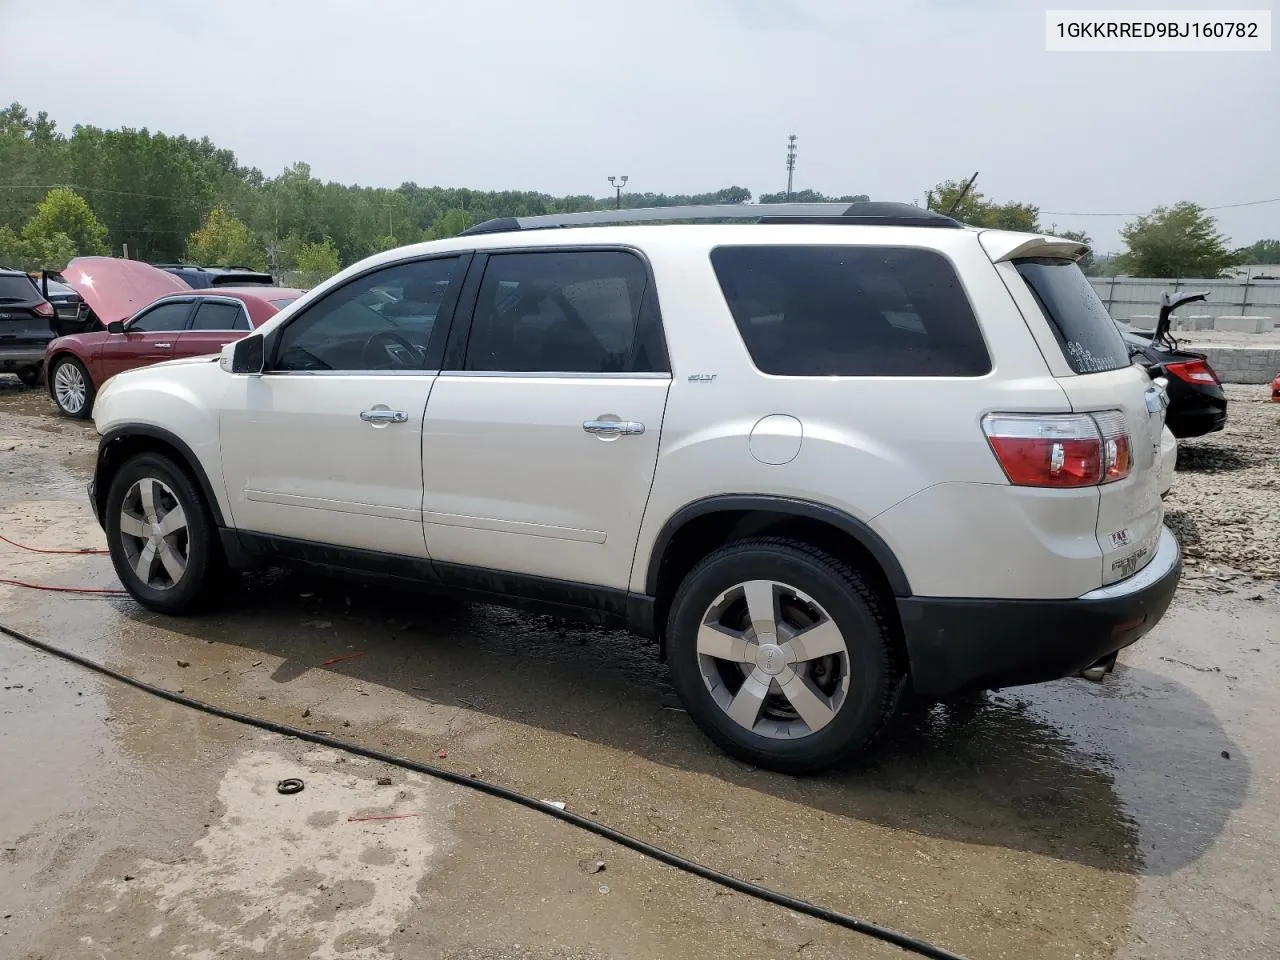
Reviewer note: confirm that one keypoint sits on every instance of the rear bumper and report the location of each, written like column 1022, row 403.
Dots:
column 958, row 645
column 20, row 357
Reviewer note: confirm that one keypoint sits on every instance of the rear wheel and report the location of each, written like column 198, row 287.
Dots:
column 30, row 376
column 71, row 387
column 161, row 536
column 782, row 654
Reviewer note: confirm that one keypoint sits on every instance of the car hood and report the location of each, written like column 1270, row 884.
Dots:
column 116, row 289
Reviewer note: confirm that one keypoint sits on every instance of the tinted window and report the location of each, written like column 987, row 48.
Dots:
column 15, row 289
column 281, row 304
column 570, row 312
column 167, row 316
column 216, row 315
column 851, row 311
column 1085, row 331
column 382, row 321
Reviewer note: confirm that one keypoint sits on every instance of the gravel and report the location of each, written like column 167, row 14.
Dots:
column 1225, row 502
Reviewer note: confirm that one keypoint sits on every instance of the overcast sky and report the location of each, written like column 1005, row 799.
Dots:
column 681, row 95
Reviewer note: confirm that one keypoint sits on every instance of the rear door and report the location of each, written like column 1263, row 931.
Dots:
column 1091, row 363
column 217, row 322
column 151, row 336
column 539, row 449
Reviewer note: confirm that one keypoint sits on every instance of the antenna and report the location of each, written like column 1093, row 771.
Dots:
column 963, row 193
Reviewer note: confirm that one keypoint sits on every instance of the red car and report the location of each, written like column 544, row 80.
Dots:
column 176, row 322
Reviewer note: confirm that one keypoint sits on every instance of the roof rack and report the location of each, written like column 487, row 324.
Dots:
column 866, row 212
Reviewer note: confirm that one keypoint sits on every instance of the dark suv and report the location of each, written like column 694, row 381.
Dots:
column 25, row 327
column 199, row 278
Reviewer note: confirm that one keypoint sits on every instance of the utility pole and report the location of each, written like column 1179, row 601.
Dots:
column 791, row 162
column 618, row 183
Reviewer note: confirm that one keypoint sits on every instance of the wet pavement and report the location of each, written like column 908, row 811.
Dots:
column 1130, row 819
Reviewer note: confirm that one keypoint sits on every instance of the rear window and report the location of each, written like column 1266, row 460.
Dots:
column 1085, row 331
column 812, row 311
column 17, row 289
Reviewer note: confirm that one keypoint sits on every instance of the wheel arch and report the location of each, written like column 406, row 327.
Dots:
column 118, row 445
column 705, row 525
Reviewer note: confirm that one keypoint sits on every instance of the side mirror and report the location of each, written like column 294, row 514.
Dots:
column 115, row 326
column 247, row 356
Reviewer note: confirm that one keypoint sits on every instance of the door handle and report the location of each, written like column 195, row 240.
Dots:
column 383, row 415
column 164, row 346
column 613, row 428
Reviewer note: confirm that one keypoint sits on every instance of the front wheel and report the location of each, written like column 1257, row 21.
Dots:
column 71, row 387
column 161, row 536
column 783, row 655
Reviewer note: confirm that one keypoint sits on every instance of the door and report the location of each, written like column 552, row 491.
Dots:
column 148, row 337
column 325, row 445
column 217, row 322
column 539, row 450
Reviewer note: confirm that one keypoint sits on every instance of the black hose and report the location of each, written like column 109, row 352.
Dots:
column 855, row 924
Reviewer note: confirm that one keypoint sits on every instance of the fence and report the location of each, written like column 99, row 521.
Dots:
column 1127, row 297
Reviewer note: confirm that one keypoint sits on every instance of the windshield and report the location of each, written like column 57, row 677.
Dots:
column 1088, row 336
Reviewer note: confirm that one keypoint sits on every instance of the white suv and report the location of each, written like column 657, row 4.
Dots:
column 823, row 457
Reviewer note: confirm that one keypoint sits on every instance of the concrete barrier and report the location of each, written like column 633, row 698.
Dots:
column 1143, row 321
column 1242, row 364
column 1199, row 321
column 1243, row 324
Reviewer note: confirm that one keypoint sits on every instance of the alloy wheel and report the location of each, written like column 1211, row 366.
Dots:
column 154, row 534
column 773, row 659
column 69, row 388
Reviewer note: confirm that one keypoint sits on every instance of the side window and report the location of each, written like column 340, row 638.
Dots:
column 565, row 312
column 851, row 311
column 385, row 320
column 167, row 316
column 219, row 315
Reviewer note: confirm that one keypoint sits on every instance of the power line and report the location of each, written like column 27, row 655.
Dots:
column 1221, row 206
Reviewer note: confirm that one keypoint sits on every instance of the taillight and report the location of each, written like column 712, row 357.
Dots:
column 1060, row 450
column 44, row 309
column 1192, row 371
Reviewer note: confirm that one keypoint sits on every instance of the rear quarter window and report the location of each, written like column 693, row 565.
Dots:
column 851, row 311
column 1090, row 341
column 17, row 289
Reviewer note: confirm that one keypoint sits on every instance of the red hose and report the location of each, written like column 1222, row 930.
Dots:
column 23, row 546
column 111, row 591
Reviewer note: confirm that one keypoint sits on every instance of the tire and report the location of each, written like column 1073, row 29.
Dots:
column 69, row 381
column 29, row 376
column 849, row 696
column 193, row 546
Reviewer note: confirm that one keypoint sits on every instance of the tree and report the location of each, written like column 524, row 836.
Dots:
column 1264, row 251
column 976, row 210
column 1178, row 241
column 811, row 196
column 451, row 223
column 223, row 241
column 65, row 212
column 319, row 259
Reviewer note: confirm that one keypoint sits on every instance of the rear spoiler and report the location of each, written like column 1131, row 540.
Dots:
column 1002, row 245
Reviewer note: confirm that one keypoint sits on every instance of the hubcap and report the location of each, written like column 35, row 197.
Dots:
column 154, row 535
column 773, row 659
column 69, row 387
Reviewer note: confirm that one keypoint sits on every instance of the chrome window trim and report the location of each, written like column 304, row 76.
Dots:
column 513, row 375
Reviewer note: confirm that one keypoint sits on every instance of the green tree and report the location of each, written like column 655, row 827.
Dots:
column 316, row 260
column 223, row 241
column 64, row 212
column 451, row 223
column 1177, row 241
column 811, row 196
column 12, row 253
column 1264, row 251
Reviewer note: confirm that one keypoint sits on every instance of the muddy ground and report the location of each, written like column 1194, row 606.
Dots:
column 1130, row 819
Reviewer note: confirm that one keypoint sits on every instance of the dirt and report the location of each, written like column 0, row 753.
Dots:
column 1225, row 501
column 1126, row 819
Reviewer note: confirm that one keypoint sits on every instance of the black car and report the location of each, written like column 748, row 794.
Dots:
column 1197, row 403
column 25, row 326
column 200, row 278
column 72, row 315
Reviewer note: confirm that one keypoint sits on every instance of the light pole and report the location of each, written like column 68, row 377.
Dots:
column 791, row 161
column 618, row 183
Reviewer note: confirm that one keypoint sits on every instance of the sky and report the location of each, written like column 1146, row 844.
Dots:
column 682, row 96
